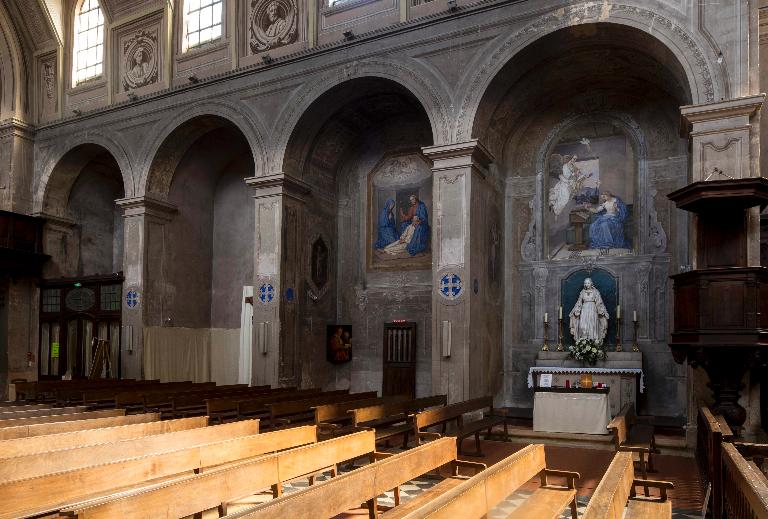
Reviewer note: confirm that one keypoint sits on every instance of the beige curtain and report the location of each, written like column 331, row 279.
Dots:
column 176, row 354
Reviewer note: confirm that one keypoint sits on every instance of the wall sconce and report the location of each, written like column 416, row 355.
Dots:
column 77, row 112
column 452, row 7
column 193, row 78
column 132, row 96
column 266, row 59
column 349, row 36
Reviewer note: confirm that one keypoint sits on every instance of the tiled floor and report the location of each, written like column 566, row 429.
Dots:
column 687, row 497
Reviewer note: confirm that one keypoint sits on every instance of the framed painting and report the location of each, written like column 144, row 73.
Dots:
column 590, row 194
column 400, row 214
column 339, row 343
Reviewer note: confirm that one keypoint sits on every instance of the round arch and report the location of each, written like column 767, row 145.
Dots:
column 430, row 96
column 165, row 151
column 61, row 169
column 704, row 84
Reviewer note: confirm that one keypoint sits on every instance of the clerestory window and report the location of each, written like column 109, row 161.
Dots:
column 203, row 22
column 88, row 50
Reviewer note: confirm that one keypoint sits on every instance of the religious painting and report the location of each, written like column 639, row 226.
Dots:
column 319, row 267
column 339, row 343
column 400, row 214
column 590, row 193
column 589, row 295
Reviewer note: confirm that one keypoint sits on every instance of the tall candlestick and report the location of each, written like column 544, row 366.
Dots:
column 560, row 332
column 545, row 347
column 618, row 333
column 635, row 324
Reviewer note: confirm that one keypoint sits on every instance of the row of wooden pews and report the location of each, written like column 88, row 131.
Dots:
column 733, row 470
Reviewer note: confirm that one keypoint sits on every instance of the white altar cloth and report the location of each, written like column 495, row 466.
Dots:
column 597, row 371
column 585, row 413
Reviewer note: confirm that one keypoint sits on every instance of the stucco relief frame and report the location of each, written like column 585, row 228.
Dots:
column 315, row 292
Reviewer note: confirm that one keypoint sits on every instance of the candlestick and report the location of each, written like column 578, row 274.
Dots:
column 560, row 314
column 634, row 336
column 618, row 312
column 634, row 315
column 545, row 347
column 560, row 332
column 546, row 317
column 618, row 334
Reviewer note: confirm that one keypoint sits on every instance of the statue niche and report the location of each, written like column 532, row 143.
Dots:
column 596, row 304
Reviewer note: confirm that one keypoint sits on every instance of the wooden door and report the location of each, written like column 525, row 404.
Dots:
column 399, row 371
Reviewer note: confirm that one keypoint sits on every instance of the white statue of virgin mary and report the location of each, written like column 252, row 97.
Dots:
column 589, row 317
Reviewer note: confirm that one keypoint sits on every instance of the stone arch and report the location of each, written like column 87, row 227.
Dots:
column 63, row 166
column 12, row 71
column 704, row 84
column 432, row 98
column 165, row 151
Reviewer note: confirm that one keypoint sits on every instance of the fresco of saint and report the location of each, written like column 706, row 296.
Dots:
column 607, row 228
column 387, row 226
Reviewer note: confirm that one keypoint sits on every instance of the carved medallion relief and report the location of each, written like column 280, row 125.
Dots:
column 272, row 24
column 140, row 60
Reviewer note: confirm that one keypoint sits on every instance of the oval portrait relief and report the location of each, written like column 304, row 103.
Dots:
column 272, row 24
column 139, row 61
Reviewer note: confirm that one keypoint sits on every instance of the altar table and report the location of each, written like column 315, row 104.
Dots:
column 571, row 411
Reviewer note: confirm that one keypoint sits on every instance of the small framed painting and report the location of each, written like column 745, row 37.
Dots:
column 339, row 343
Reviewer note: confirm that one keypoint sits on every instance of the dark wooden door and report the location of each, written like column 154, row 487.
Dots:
column 399, row 372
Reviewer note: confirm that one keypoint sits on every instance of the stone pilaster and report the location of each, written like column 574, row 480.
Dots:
column 466, row 355
column 16, row 164
column 279, row 208
column 143, row 265
column 725, row 144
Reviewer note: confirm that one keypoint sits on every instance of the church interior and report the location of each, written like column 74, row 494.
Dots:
column 384, row 258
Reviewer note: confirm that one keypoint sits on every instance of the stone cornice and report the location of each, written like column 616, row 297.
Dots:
column 447, row 157
column 17, row 127
column 146, row 206
column 279, row 184
column 741, row 106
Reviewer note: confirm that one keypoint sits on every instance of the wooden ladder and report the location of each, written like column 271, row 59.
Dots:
column 100, row 358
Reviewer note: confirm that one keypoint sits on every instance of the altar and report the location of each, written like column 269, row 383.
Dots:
column 622, row 372
column 571, row 410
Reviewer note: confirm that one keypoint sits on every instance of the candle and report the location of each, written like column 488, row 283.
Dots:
column 634, row 315
column 618, row 312
column 560, row 315
column 546, row 317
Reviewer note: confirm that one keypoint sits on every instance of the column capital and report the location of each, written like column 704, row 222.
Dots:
column 278, row 184
column 458, row 155
column 146, row 206
column 727, row 109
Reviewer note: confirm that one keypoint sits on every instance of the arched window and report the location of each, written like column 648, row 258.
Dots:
column 88, row 50
column 202, row 22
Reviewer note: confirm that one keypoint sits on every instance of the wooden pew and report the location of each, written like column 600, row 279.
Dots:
column 22, row 405
column 345, row 492
column 50, row 493
column 34, row 465
column 630, row 435
column 45, row 389
column 74, row 439
column 335, row 418
column 297, row 411
column 618, row 485
column 104, row 413
column 162, row 400
column 226, row 407
column 28, row 431
column 30, row 413
column 745, row 488
column 455, row 413
column 217, row 487
column 391, row 419
column 476, row 497
column 194, row 403
column 711, row 433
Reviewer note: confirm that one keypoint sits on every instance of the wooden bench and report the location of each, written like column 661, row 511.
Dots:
column 295, row 411
column 346, row 491
column 631, row 435
column 711, row 433
column 336, row 418
column 74, row 439
column 34, row 465
column 28, row 431
column 618, row 485
column 133, row 401
column 455, row 413
column 745, row 488
column 226, row 407
column 392, row 419
column 217, row 487
column 52, row 492
column 104, row 413
column 477, row 496
column 29, row 413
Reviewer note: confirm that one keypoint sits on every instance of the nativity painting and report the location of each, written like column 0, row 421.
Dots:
column 591, row 194
column 400, row 200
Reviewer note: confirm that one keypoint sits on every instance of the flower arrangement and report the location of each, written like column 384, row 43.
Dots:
column 587, row 350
